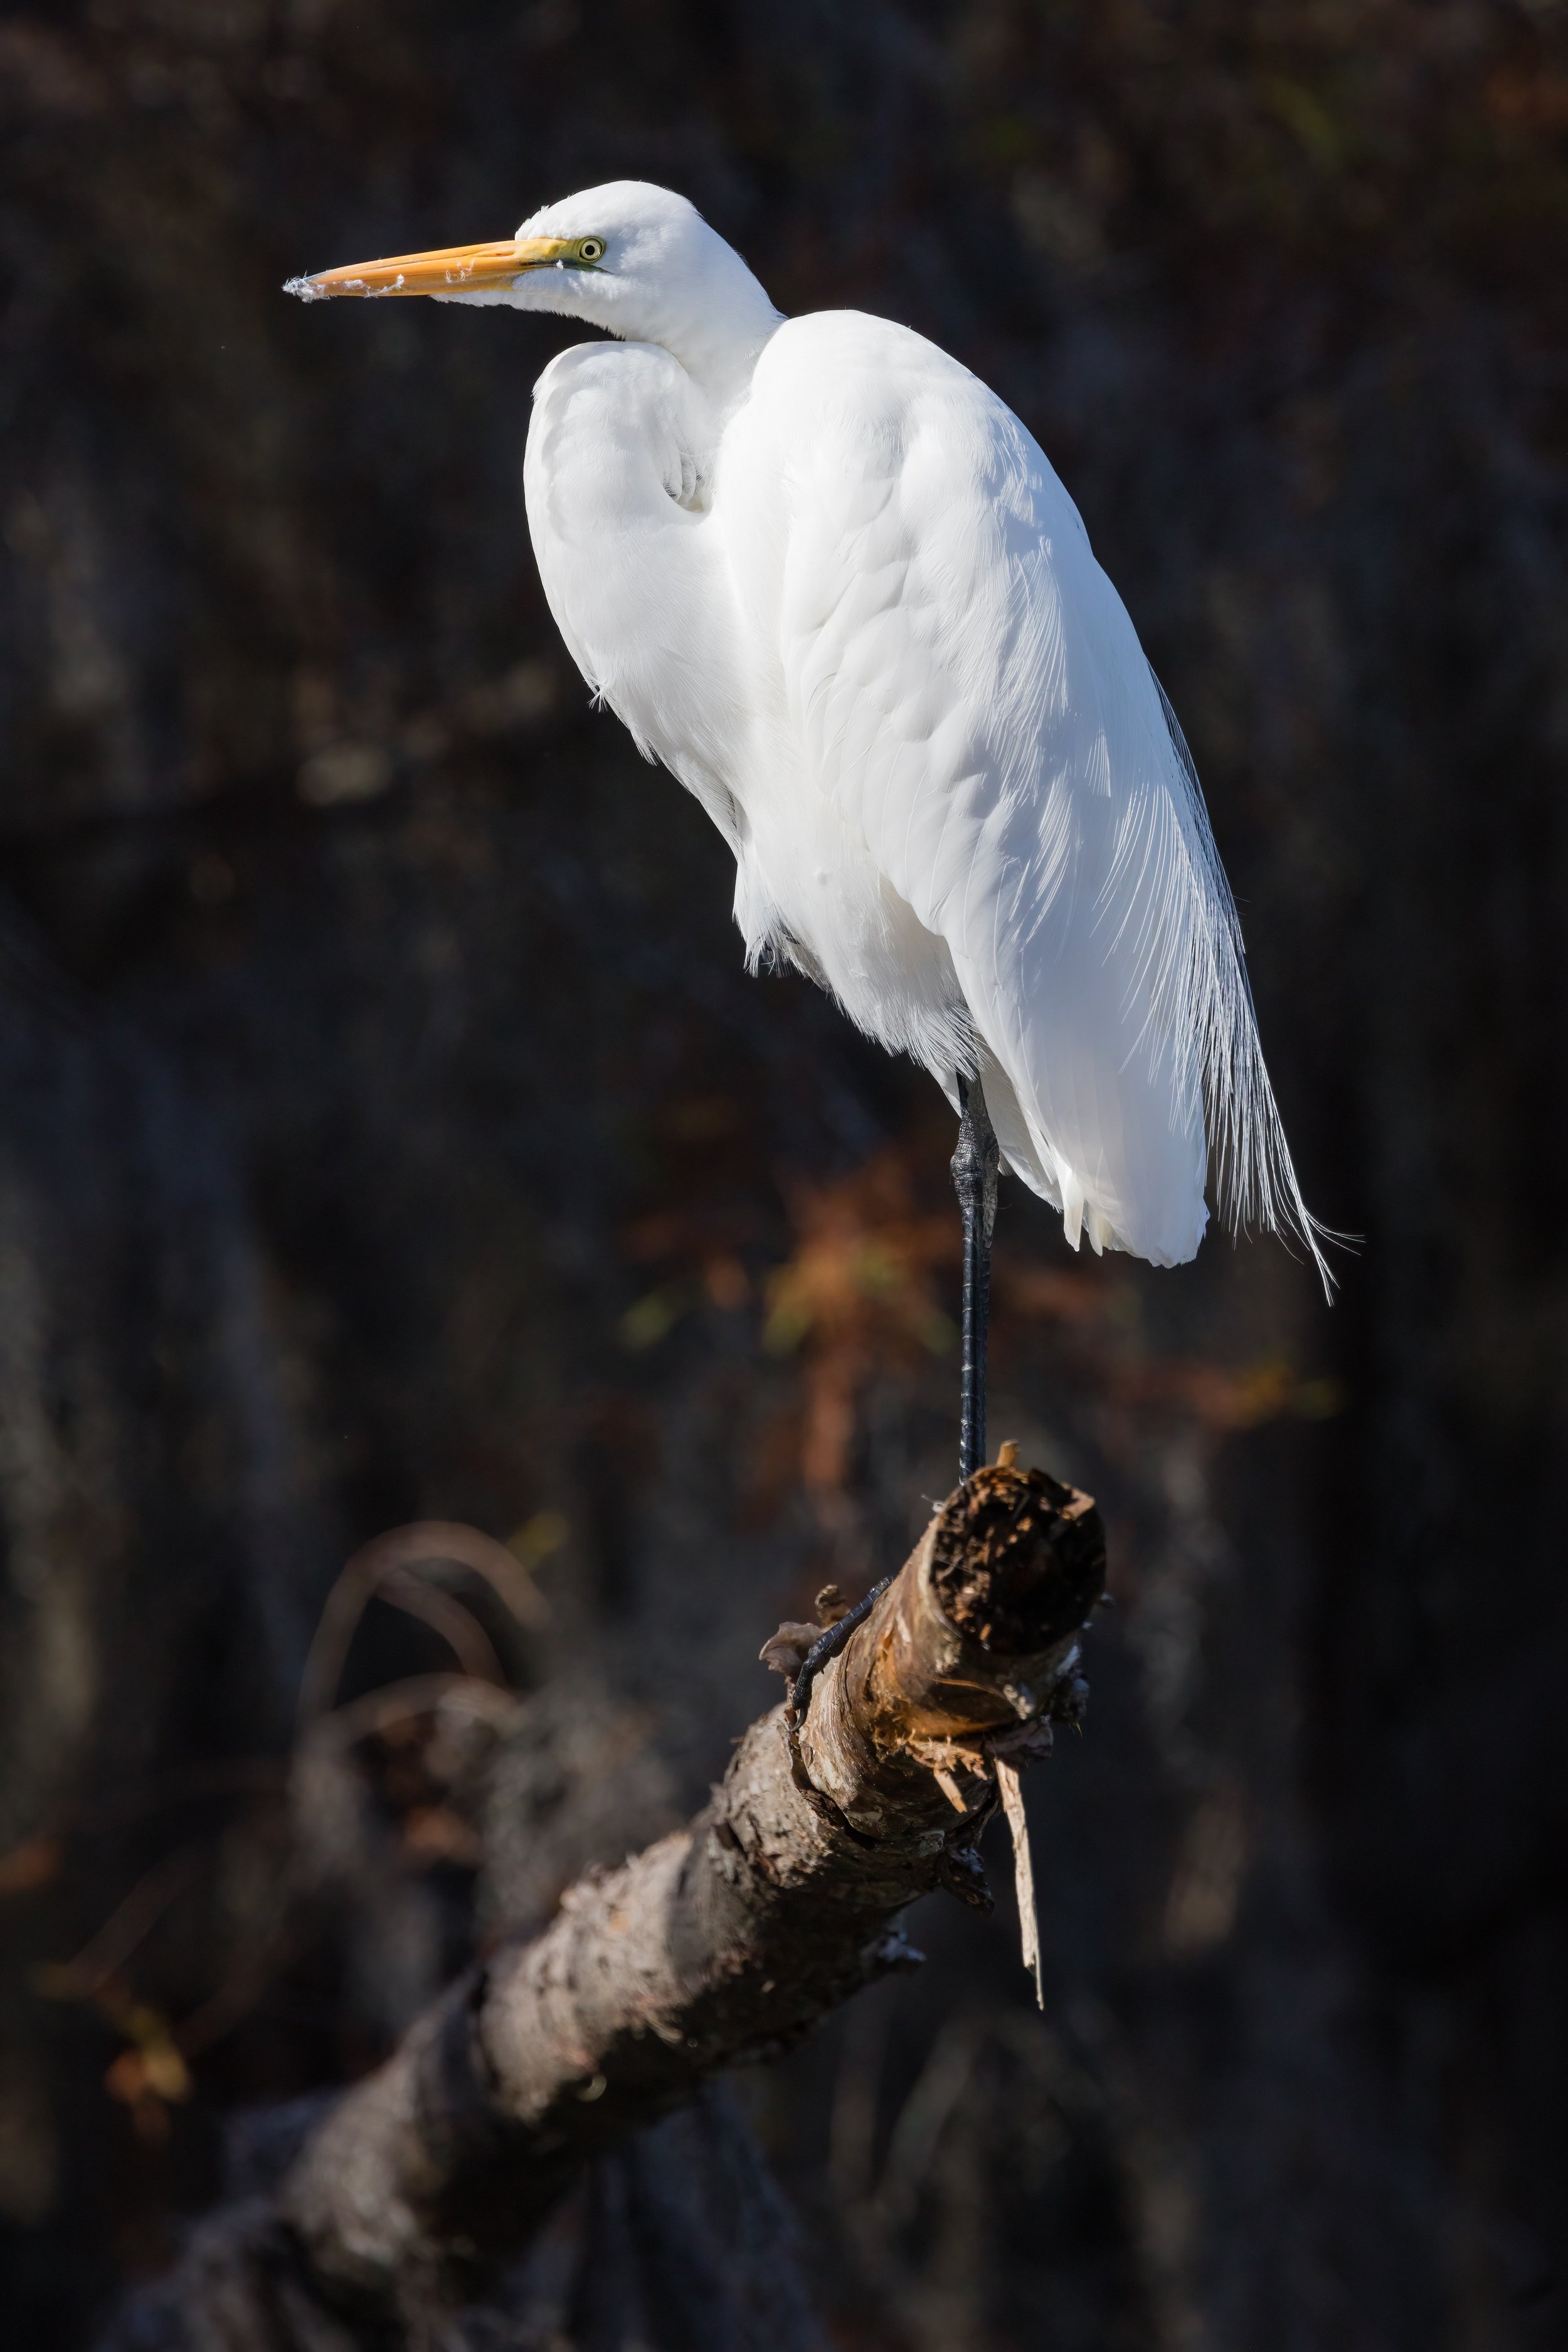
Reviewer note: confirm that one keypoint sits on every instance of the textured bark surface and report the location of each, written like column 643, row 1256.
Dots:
column 728, row 1939
column 678, row 2240
column 725, row 1941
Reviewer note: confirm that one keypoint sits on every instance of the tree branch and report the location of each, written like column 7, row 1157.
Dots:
column 727, row 1940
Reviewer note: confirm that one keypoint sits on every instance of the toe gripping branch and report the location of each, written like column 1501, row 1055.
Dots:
column 828, row 1644
column 958, row 1667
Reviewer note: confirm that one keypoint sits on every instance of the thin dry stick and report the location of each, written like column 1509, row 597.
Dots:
column 400, row 1549
column 376, row 1710
column 130, row 1922
column 445, row 1614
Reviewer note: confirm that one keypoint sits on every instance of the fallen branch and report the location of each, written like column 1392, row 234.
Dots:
column 725, row 1941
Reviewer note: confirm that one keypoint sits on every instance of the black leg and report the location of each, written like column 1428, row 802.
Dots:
column 974, row 1167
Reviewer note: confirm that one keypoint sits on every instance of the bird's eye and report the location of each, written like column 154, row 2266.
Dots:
column 592, row 249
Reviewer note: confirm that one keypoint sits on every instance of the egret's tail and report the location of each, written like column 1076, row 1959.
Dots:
column 1254, row 1181
column 1127, row 1166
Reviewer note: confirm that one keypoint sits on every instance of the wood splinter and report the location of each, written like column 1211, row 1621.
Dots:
column 1010, row 1782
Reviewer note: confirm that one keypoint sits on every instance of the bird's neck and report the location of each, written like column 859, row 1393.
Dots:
column 720, row 349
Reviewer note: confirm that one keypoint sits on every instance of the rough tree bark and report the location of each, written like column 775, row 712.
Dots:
column 721, row 1942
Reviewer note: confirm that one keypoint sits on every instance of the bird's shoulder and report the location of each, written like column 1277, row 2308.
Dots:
column 855, row 352
column 841, row 401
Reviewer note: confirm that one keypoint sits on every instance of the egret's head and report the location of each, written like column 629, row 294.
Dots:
column 639, row 260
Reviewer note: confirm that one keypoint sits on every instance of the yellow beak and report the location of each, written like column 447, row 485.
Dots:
column 450, row 269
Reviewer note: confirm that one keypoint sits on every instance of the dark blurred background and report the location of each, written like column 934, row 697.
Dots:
column 389, row 1131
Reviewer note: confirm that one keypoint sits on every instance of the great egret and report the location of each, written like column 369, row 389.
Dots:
column 829, row 580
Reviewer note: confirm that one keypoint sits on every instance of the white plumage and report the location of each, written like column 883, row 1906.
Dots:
column 828, row 579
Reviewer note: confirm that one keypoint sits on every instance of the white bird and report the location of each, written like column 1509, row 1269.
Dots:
column 826, row 577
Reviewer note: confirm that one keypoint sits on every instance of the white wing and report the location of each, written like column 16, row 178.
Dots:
column 616, row 510
column 963, row 685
